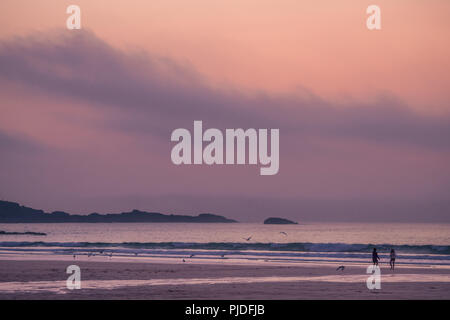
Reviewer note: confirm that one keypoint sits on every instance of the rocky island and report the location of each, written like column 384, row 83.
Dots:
column 11, row 212
column 278, row 221
column 29, row 233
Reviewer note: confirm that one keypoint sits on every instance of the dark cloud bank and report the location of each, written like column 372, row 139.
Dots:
column 152, row 95
column 82, row 66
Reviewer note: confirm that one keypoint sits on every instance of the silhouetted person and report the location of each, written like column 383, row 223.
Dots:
column 392, row 262
column 375, row 256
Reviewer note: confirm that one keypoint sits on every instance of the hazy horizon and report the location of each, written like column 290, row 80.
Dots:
column 312, row 210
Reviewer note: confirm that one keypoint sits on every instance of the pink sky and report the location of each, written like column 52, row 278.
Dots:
column 86, row 115
column 323, row 46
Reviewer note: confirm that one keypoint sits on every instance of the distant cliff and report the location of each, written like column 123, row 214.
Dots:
column 278, row 221
column 11, row 212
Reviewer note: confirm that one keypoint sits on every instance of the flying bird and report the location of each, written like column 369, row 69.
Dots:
column 340, row 268
column 282, row 232
column 191, row 255
column 248, row 239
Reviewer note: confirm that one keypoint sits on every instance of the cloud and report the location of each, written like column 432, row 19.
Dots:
column 84, row 120
column 154, row 95
column 18, row 144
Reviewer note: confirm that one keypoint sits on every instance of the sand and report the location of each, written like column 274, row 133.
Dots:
column 109, row 279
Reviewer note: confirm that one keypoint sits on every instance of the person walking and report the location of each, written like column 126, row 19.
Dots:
column 392, row 262
column 375, row 256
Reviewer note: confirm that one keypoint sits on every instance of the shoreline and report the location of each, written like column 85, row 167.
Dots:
column 46, row 279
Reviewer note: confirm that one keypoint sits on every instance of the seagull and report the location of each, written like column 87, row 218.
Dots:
column 248, row 239
column 340, row 268
column 282, row 232
column 191, row 255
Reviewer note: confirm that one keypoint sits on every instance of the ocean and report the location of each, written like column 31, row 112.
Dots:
column 337, row 243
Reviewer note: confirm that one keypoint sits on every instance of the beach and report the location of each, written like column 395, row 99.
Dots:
column 224, row 150
column 216, row 261
column 105, row 278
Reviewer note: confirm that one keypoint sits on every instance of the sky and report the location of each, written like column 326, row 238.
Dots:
column 364, row 116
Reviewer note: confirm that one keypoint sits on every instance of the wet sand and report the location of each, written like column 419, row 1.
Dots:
column 109, row 279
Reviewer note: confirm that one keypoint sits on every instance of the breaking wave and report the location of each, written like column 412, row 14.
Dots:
column 292, row 247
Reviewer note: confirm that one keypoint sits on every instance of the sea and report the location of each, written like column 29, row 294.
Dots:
column 423, row 244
